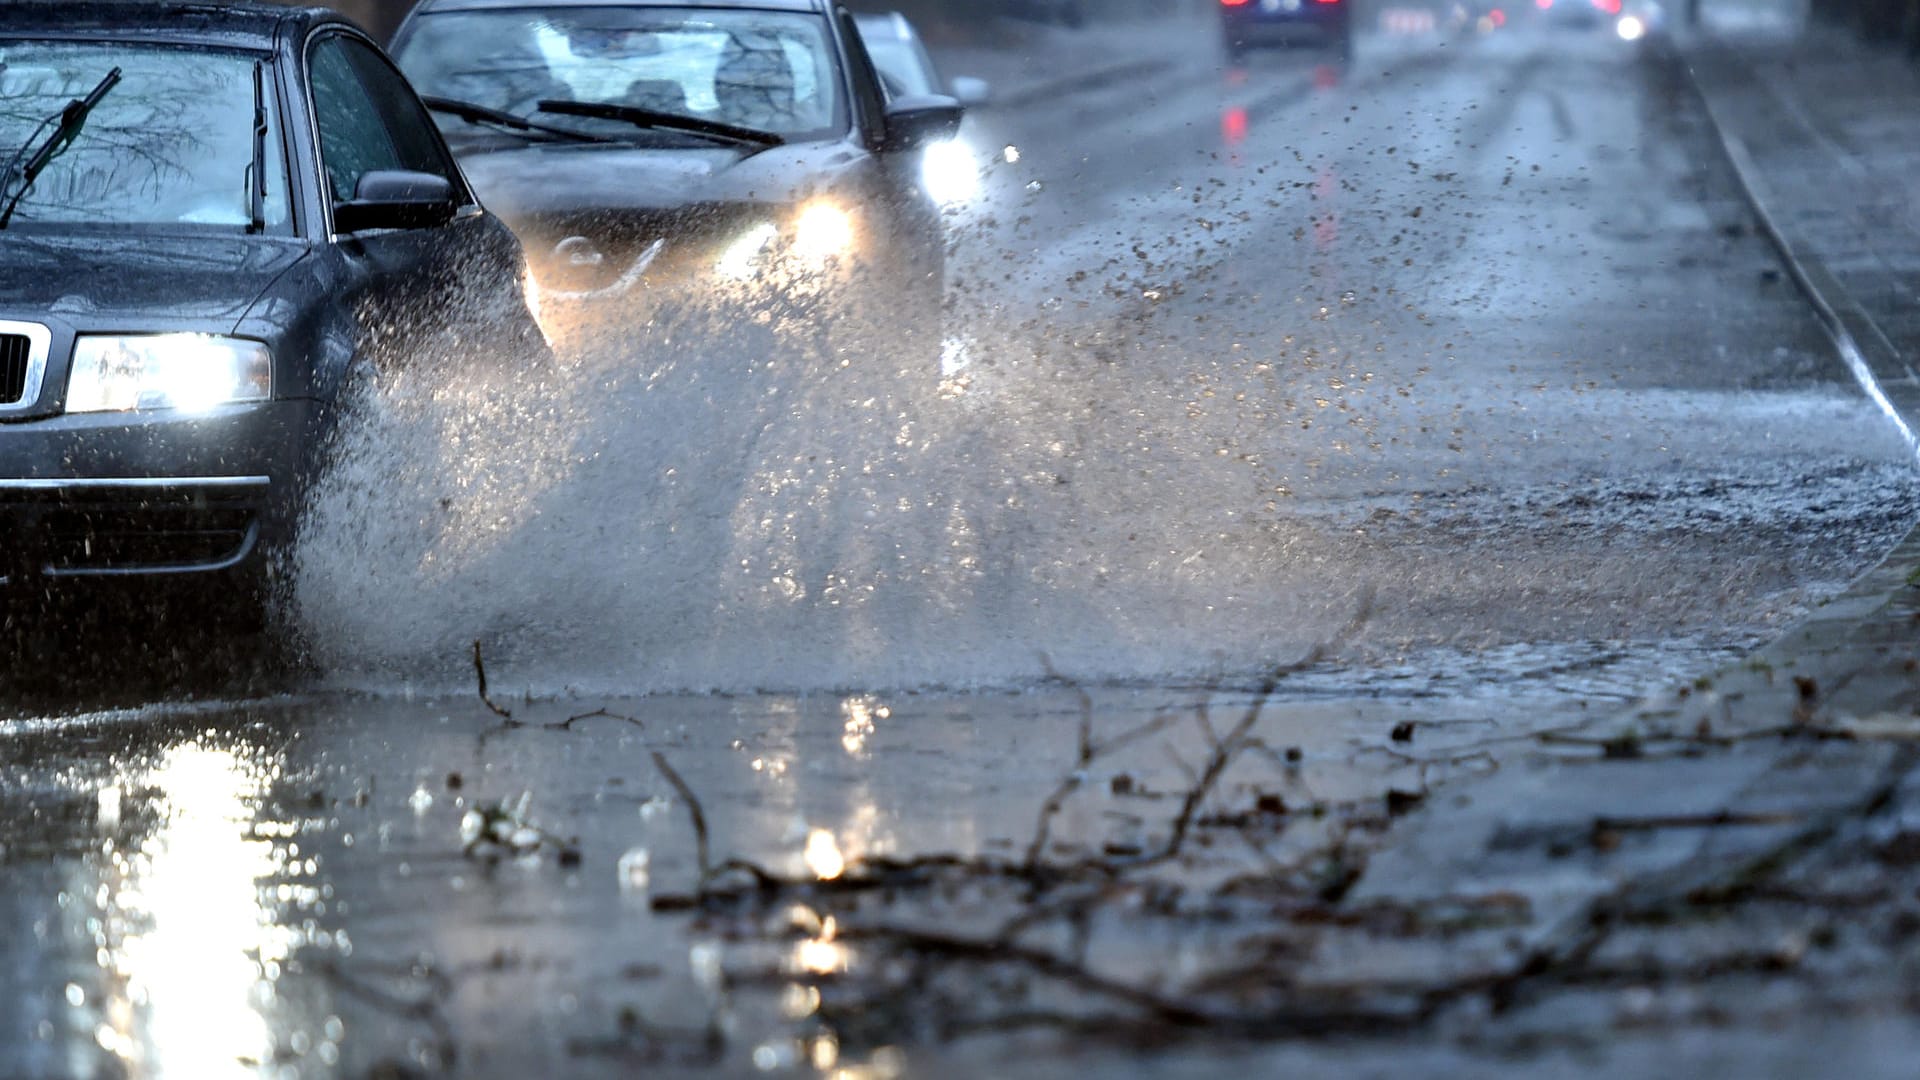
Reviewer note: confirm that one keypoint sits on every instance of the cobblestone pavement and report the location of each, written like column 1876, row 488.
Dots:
column 1827, row 134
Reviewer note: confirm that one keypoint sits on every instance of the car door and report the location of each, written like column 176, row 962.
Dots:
column 920, row 248
column 452, row 289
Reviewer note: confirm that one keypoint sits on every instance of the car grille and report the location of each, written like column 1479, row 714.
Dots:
column 15, row 352
column 694, row 239
column 80, row 540
column 78, row 531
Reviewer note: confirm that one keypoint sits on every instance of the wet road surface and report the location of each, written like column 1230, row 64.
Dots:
column 1464, row 363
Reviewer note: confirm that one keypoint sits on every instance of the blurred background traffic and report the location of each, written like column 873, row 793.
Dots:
column 1891, row 21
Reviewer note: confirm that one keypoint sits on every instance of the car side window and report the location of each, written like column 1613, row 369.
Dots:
column 368, row 119
column 867, row 93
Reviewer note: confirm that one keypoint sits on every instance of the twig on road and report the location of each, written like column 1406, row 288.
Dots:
column 480, row 674
column 597, row 714
column 694, row 809
column 427, row 1008
column 1226, row 748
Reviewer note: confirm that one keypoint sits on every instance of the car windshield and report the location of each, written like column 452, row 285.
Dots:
column 769, row 71
column 171, row 146
column 902, row 66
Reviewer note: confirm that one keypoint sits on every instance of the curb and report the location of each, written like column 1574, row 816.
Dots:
column 1850, row 643
column 1848, row 325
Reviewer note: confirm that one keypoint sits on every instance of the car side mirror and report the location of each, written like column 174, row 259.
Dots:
column 972, row 93
column 913, row 122
column 396, row 199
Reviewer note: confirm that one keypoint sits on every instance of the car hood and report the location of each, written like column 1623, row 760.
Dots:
column 140, row 281
column 567, row 180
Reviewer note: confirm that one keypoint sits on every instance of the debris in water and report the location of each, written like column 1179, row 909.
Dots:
column 635, row 869
column 506, row 828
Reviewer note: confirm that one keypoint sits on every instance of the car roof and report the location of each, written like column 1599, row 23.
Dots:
column 428, row 7
column 241, row 24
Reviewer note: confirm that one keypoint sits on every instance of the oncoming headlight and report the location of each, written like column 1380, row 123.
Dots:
column 950, row 172
column 746, row 256
column 823, row 231
column 166, row 371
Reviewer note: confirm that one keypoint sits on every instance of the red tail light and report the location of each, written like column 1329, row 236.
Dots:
column 1233, row 3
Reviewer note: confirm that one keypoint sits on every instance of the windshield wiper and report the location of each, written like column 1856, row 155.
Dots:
column 67, row 123
column 257, row 172
column 481, row 114
column 664, row 121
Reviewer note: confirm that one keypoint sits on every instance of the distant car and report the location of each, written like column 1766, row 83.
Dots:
column 651, row 147
column 1640, row 19
column 1478, row 16
column 209, row 217
column 951, row 169
column 1580, row 14
column 1251, row 24
column 1069, row 13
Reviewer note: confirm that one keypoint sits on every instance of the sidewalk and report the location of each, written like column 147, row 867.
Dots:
column 1827, row 133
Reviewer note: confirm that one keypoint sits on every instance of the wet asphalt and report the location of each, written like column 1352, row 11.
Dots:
column 1466, row 361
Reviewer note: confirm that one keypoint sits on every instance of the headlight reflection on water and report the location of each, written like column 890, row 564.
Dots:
column 190, row 938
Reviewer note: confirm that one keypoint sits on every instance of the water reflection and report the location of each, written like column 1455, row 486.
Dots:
column 823, row 856
column 821, row 954
column 860, row 714
column 190, row 942
column 1233, row 125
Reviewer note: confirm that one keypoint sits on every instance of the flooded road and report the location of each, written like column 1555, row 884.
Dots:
column 1457, row 386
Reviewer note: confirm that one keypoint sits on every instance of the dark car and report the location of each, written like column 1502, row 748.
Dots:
column 652, row 148
column 1251, row 24
column 209, row 215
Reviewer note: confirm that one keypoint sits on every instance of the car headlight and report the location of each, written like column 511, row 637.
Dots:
column 746, row 257
column 823, row 231
column 950, row 172
column 166, row 371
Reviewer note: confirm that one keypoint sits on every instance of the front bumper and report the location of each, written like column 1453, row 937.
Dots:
column 149, row 494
